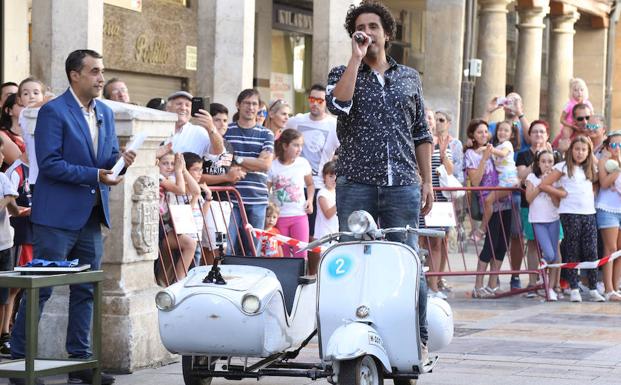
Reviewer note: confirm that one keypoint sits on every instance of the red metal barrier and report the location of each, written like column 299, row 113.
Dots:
column 174, row 249
column 464, row 225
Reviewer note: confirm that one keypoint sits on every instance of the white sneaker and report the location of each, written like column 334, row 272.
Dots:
column 600, row 287
column 596, row 297
column 552, row 295
column 574, row 295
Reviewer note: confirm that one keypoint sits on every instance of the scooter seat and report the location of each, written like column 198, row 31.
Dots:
column 287, row 270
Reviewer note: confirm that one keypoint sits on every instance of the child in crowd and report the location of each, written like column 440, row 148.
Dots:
column 31, row 94
column 577, row 210
column 172, row 184
column 578, row 93
column 507, row 138
column 8, row 193
column 287, row 178
column 543, row 214
column 199, row 198
column 269, row 246
column 327, row 222
column 608, row 206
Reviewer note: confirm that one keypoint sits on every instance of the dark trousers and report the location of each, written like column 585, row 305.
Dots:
column 85, row 245
column 580, row 245
column 497, row 236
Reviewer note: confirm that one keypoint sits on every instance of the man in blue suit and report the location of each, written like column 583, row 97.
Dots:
column 76, row 146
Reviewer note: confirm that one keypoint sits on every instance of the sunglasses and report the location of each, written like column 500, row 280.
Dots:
column 313, row 99
column 582, row 118
column 262, row 113
column 615, row 145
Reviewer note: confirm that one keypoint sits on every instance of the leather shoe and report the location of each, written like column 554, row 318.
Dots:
column 86, row 377
column 22, row 381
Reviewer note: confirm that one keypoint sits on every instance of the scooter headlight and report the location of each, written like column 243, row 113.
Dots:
column 360, row 222
column 164, row 300
column 251, row 304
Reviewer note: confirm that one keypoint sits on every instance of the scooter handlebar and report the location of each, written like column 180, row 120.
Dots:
column 422, row 232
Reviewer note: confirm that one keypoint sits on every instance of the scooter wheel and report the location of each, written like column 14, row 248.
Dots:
column 189, row 378
column 360, row 371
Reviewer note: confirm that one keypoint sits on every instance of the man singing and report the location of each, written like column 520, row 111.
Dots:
column 385, row 141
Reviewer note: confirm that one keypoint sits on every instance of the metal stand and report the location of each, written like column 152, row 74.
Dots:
column 32, row 367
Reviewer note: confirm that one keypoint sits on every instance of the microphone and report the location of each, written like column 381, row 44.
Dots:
column 360, row 38
column 99, row 122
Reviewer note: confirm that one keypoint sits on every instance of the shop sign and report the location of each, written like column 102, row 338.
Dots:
column 154, row 51
column 292, row 19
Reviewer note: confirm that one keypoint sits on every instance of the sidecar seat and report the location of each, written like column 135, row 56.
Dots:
column 287, row 270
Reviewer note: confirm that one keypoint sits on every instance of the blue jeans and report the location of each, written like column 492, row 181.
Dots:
column 256, row 218
column 391, row 206
column 52, row 243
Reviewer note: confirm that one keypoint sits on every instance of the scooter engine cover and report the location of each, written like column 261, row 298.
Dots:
column 439, row 324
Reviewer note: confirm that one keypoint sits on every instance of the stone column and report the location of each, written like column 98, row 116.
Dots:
column 443, row 69
column 16, row 56
column 130, row 335
column 58, row 28
column 225, row 49
column 492, row 50
column 263, row 48
column 331, row 43
column 528, row 68
column 561, row 64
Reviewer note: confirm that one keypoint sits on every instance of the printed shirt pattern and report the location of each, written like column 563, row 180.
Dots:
column 249, row 143
column 381, row 126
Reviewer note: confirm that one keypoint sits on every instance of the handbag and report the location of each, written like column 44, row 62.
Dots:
column 449, row 180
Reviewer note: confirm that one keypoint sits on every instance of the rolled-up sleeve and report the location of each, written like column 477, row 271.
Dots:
column 336, row 107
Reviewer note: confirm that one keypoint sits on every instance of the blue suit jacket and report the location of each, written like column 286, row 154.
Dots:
column 67, row 183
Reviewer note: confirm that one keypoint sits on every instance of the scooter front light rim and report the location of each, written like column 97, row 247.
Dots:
column 359, row 222
column 251, row 304
column 164, row 300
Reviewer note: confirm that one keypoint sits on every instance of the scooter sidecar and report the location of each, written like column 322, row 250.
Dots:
column 257, row 313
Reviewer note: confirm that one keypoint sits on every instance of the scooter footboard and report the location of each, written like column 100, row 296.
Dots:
column 356, row 339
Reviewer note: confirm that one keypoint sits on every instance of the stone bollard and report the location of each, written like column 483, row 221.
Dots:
column 130, row 336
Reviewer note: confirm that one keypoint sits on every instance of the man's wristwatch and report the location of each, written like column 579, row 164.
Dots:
column 238, row 160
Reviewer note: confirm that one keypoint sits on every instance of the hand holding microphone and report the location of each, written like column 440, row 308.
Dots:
column 360, row 37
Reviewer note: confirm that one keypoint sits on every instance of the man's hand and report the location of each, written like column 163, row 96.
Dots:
column 493, row 106
column 359, row 50
column 236, row 174
column 105, row 177
column 203, row 118
column 426, row 198
column 163, row 150
column 129, row 157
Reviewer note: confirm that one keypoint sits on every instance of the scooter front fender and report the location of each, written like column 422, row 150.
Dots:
column 356, row 339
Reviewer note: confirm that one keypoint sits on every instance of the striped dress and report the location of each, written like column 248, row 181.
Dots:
column 435, row 178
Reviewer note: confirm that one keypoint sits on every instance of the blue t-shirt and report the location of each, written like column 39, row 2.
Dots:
column 249, row 143
column 523, row 144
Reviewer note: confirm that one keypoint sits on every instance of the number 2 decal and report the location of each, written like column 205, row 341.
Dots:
column 340, row 262
column 340, row 266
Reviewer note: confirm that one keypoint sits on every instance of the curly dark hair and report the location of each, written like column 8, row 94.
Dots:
column 370, row 6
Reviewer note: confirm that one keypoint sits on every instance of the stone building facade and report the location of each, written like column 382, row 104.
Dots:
column 216, row 48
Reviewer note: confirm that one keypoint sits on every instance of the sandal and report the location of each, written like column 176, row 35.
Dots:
column 481, row 292
column 444, row 286
column 612, row 296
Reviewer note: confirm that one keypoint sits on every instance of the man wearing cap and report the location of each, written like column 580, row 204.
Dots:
column 200, row 138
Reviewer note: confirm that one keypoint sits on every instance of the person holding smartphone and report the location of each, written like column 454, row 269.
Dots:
column 201, row 138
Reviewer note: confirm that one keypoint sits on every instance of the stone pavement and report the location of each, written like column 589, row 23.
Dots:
column 513, row 340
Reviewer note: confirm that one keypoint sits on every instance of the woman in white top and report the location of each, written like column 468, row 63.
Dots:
column 608, row 205
column 577, row 210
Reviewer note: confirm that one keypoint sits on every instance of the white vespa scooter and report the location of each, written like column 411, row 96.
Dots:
column 366, row 315
column 367, row 307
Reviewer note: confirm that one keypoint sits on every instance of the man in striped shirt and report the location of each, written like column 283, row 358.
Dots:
column 254, row 147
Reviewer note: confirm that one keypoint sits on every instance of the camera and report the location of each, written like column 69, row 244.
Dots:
column 220, row 238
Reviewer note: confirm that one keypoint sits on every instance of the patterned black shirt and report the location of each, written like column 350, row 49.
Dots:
column 381, row 126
